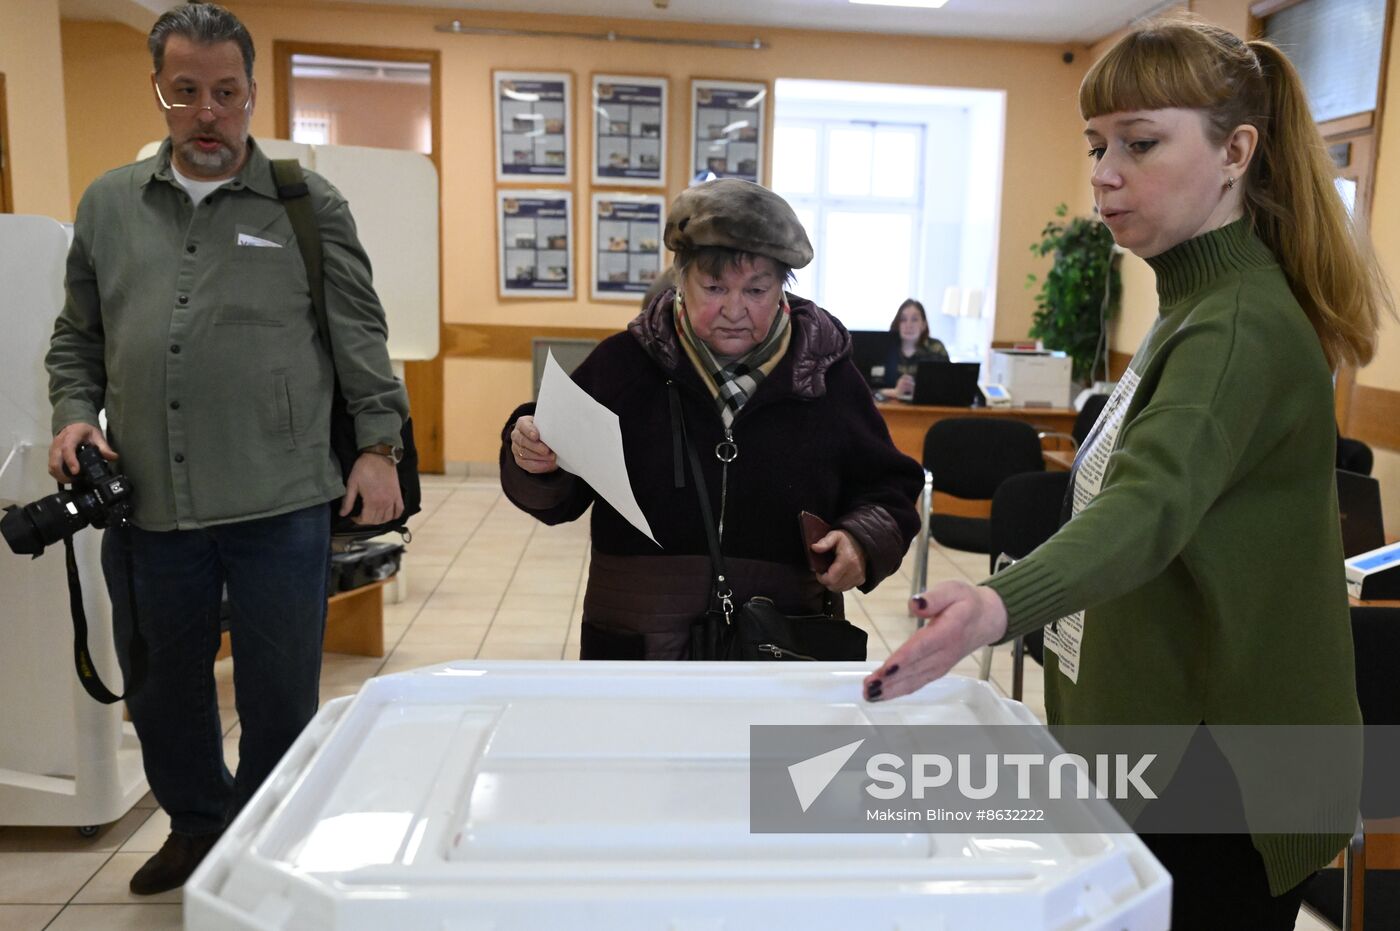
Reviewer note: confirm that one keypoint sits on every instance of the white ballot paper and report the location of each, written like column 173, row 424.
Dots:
column 587, row 441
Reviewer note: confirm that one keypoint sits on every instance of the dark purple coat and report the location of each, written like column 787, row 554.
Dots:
column 809, row 439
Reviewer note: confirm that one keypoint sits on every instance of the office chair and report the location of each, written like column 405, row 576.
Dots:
column 1083, row 422
column 1087, row 417
column 1354, row 455
column 970, row 457
column 965, row 459
column 1026, row 512
column 1368, row 885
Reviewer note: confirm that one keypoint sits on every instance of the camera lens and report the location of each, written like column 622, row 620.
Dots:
column 29, row 529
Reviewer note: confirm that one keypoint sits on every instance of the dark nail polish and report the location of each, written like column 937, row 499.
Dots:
column 875, row 689
column 892, row 670
column 920, row 602
column 873, row 695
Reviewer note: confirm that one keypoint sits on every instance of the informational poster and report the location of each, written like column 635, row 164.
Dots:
column 533, row 132
column 629, row 130
column 626, row 244
column 536, row 247
column 726, row 129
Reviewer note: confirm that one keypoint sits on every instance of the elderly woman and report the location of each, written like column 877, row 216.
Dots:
column 782, row 421
column 915, row 345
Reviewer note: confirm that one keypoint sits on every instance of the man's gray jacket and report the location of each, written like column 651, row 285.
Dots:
column 194, row 328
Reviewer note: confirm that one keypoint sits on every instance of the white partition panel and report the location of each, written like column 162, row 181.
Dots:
column 393, row 195
column 64, row 758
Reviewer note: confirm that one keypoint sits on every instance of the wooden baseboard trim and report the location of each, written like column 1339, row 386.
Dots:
column 423, row 380
column 506, row 341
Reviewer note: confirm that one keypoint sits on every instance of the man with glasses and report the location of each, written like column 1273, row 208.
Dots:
column 189, row 319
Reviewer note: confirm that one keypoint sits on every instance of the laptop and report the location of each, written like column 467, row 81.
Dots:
column 871, row 351
column 1359, row 499
column 947, row 384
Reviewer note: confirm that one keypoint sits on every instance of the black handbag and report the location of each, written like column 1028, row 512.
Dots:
column 296, row 198
column 757, row 630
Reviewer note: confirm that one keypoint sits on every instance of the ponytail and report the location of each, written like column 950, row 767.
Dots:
column 1293, row 203
column 1290, row 194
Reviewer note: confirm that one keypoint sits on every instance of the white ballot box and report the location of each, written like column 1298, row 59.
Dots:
column 495, row 795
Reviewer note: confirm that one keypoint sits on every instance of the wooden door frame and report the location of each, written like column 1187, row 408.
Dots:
column 424, row 380
column 7, row 190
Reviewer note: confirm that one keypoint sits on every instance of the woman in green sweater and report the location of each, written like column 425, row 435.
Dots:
column 1200, row 576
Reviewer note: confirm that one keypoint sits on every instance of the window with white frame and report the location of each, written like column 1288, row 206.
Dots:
column 313, row 127
column 899, row 189
column 858, row 189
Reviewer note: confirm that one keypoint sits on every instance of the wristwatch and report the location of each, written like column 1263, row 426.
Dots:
column 393, row 453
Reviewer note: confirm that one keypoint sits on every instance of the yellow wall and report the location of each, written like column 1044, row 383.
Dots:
column 112, row 112
column 1042, row 166
column 31, row 60
column 1384, row 370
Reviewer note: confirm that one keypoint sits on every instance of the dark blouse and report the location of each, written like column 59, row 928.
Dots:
column 932, row 351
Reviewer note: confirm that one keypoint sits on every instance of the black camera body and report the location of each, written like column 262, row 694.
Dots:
column 98, row 496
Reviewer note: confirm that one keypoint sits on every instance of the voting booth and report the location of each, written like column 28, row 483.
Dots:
column 64, row 758
column 615, row 795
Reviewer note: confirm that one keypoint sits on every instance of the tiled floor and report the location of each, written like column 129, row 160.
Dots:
column 484, row 581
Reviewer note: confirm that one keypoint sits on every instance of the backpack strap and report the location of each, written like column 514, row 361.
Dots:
column 296, row 198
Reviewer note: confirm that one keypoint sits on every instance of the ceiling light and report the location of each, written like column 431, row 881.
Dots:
column 921, row 4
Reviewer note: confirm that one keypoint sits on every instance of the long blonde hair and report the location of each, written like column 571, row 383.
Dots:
column 1290, row 197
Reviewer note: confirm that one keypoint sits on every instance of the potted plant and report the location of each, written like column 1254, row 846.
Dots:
column 1080, row 293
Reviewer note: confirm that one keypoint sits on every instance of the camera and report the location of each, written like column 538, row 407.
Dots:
column 98, row 496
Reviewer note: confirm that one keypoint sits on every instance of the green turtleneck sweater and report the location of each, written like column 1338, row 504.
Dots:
column 1209, row 563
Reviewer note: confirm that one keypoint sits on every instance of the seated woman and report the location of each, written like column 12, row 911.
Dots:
column 915, row 345
column 765, row 389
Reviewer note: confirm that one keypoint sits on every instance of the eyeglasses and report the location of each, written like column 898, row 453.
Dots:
column 225, row 100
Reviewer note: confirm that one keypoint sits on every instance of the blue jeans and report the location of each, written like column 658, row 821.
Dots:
column 276, row 570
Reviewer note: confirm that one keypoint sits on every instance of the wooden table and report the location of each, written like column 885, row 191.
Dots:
column 909, row 422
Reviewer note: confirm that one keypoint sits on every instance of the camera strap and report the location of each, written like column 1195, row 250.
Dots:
column 82, row 659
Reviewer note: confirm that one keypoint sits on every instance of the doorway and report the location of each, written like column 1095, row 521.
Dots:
column 386, row 98
column 6, row 204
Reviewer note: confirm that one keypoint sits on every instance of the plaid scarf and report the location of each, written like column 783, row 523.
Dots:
column 733, row 384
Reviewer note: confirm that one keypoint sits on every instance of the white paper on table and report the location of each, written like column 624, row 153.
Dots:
column 587, row 441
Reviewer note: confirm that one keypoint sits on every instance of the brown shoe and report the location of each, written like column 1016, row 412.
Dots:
column 172, row 864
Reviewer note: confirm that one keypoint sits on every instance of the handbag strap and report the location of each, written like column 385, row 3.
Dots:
column 722, row 590
column 296, row 200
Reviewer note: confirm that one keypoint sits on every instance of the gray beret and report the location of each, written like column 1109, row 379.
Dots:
column 737, row 215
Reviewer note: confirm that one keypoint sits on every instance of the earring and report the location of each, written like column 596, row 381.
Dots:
column 1229, row 184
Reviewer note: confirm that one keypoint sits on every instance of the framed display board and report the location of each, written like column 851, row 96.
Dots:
column 726, row 129
column 629, row 130
column 534, row 132
column 536, row 244
column 627, row 249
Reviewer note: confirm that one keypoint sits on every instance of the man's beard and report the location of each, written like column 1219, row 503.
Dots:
column 218, row 162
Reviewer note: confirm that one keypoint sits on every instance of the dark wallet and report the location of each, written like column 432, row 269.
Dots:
column 813, row 529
